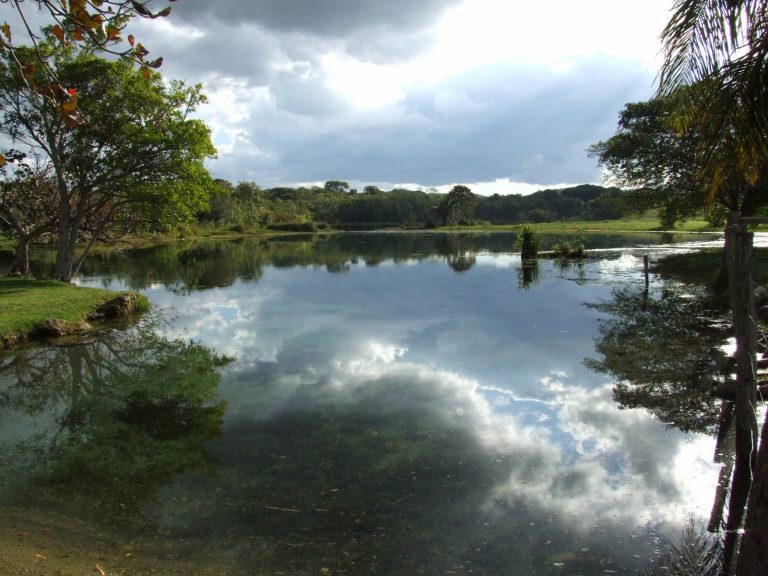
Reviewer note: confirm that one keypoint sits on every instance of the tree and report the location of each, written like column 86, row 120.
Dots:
column 723, row 43
column 92, row 23
column 337, row 186
column 458, row 207
column 27, row 205
column 653, row 160
column 95, row 22
column 661, row 165
column 720, row 47
column 251, row 204
column 716, row 62
column 137, row 164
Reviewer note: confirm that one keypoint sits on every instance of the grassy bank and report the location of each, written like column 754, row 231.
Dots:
column 647, row 222
column 26, row 305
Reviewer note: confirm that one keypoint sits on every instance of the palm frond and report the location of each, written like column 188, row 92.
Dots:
column 698, row 553
column 703, row 36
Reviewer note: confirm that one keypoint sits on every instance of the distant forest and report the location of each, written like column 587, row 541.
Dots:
column 338, row 206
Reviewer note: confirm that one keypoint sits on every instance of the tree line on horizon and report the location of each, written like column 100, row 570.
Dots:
column 337, row 205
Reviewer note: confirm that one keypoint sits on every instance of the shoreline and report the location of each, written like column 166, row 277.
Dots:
column 36, row 310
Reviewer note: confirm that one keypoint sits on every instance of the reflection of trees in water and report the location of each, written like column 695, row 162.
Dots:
column 118, row 416
column 461, row 262
column 666, row 359
column 574, row 267
column 459, row 252
column 396, row 490
column 184, row 267
column 528, row 275
column 664, row 356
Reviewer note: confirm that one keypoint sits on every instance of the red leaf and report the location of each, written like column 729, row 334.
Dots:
column 58, row 31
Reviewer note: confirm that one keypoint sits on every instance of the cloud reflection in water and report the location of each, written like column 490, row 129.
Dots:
column 448, row 407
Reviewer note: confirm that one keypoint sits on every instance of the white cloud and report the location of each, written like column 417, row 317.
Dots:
column 364, row 85
column 506, row 186
column 505, row 96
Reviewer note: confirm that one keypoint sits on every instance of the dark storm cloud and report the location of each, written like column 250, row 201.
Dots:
column 334, row 18
column 520, row 124
column 372, row 30
column 255, row 54
column 526, row 124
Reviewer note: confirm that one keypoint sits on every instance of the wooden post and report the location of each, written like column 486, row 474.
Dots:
column 723, row 456
column 753, row 552
column 738, row 245
column 645, row 271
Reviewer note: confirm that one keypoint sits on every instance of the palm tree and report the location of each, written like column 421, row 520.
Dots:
column 720, row 48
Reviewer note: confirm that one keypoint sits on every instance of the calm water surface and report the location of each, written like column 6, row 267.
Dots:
column 362, row 404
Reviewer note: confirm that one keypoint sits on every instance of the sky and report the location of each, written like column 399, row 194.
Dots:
column 500, row 95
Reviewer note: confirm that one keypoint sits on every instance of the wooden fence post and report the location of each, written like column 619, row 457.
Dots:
column 738, row 245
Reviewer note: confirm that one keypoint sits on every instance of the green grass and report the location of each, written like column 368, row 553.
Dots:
column 25, row 304
column 646, row 222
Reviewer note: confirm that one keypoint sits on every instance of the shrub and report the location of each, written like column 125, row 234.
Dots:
column 310, row 227
column 528, row 242
column 569, row 249
column 184, row 231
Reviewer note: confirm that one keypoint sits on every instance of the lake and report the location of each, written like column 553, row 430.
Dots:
column 363, row 404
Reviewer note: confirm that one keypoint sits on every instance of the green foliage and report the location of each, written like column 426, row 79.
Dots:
column 722, row 47
column 458, row 207
column 137, row 410
column 461, row 205
column 702, row 141
column 337, row 186
column 135, row 165
column 309, row 227
column 655, row 161
column 586, row 202
column 94, row 25
column 528, row 242
column 663, row 354
column 250, row 206
column 568, row 208
column 570, row 247
column 538, row 215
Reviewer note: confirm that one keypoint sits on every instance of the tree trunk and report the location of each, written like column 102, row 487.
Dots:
column 68, row 235
column 21, row 265
column 64, row 259
column 63, row 267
